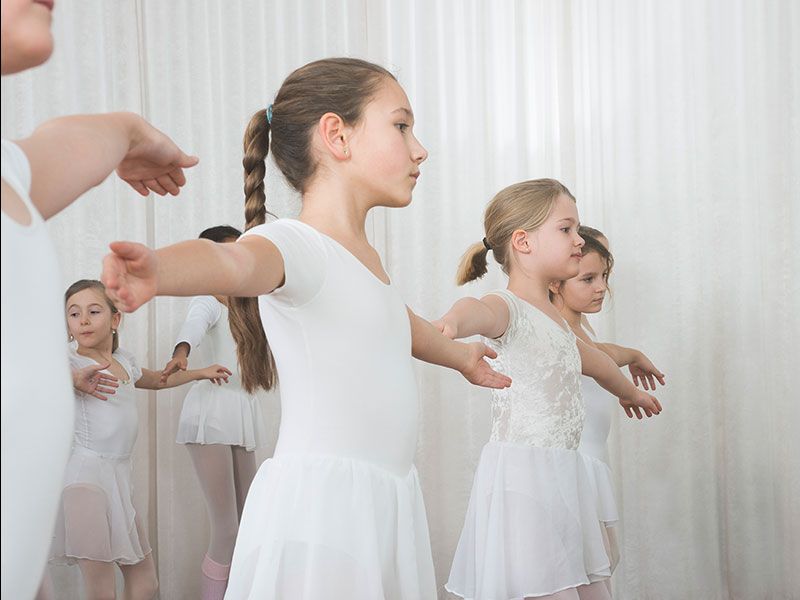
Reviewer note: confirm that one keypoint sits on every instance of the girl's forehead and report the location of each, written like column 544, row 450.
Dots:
column 564, row 208
column 87, row 296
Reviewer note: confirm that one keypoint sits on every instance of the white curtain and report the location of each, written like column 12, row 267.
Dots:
column 676, row 125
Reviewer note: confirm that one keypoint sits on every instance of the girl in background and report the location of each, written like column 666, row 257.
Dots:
column 575, row 298
column 98, row 526
column 220, row 426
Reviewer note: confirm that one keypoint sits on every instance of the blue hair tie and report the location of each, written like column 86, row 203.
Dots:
column 269, row 114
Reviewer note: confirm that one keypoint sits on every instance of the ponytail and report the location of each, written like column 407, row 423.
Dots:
column 473, row 264
column 256, row 362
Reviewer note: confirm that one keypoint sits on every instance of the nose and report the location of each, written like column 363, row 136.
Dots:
column 580, row 241
column 419, row 152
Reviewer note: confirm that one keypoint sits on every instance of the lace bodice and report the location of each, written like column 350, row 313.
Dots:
column 543, row 407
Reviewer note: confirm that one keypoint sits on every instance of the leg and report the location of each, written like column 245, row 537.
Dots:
column 46, row 591
column 214, row 466
column 141, row 582
column 244, row 470
column 595, row 591
column 99, row 579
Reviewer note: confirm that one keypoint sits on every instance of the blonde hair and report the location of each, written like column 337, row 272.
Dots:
column 521, row 206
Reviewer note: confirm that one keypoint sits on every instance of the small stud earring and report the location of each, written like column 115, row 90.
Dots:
column 114, row 332
column 345, row 150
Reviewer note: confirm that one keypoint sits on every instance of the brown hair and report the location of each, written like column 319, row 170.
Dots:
column 339, row 85
column 93, row 284
column 591, row 238
column 525, row 205
column 591, row 243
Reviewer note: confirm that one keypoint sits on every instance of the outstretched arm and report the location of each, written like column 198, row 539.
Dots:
column 431, row 346
column 469, row 316
column 601, row 368
column 641, row 368
column 151, row 380
column 70, row 155
column 133, row 273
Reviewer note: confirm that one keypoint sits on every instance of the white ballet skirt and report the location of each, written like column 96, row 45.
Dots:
column 97, row 519
column 600, row 405
column 338, row 511
column 531, row 527
column 214, row 414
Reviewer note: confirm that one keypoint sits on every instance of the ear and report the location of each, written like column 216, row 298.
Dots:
column 521, row 241
column 334, row 133
column 555, row 288
column 115, row 320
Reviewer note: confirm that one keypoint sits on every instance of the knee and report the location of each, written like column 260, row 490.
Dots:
column 145, row 589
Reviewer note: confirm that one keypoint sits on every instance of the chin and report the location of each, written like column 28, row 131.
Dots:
column 27, row 53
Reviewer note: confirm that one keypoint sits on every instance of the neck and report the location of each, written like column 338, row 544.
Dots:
column 330, row 206
column 572, row 317
column 529, row 286
column 101, row 353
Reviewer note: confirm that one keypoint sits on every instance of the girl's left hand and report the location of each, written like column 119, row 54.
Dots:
column 130, row 275
column 644, row 371
column 216, row 374
column 478, row 371
column 640, row 401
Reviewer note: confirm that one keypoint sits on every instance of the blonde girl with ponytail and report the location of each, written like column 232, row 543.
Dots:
column 531, row 529
column 338, row 511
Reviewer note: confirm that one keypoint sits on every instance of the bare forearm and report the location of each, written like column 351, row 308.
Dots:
column 601, row 368
column 70, row 155
column 200, row 267
column 429, row 345
column 619, row 354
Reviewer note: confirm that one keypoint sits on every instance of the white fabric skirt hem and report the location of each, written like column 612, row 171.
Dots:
column 96, row 518
column 319, row 526
column 602, row 484
column 214, row 414
column 532, row 526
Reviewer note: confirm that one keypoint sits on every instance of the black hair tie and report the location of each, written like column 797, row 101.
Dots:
column 486, row 245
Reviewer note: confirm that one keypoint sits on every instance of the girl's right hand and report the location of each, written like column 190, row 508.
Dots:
column 92, row 382
column 130, row 275
column 638, row 402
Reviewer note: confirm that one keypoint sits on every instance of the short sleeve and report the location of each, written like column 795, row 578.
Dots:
column 513, row 315
column 305, row 259
column 132, row 366
column 16, row 168
column 203, row 314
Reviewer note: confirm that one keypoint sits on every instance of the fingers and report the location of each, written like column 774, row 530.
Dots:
column 488, row 352
column 186, row 161
column 628, row 411
column 99, row 396
column 139, row 187
column 154, row 185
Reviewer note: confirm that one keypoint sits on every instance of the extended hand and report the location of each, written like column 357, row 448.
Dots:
column 216, row 374
column 478, row 372
column 154, row 162
column 92, row 382
column 641, row 401
column 644, row 371
column 129, row 274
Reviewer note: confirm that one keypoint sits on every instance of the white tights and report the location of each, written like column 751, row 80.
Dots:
column 225, row 473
